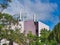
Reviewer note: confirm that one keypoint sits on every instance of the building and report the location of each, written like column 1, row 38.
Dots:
column 34, row 27
column 39, row 26
column 31, row 25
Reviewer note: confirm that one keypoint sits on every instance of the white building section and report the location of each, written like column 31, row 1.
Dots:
column 21, row 26
column 42, row 26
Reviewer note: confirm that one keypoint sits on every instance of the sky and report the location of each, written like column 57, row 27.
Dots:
column 46, row 11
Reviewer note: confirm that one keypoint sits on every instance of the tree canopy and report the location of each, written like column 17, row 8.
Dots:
column 4, row 4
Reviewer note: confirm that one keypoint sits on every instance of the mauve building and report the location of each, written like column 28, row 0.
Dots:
column 29, row 26
column 34, row 27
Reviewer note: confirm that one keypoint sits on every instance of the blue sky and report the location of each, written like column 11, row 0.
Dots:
column 46, row 11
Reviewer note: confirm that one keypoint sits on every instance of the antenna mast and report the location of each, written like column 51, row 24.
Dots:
column 34, row 17
column 20, row 16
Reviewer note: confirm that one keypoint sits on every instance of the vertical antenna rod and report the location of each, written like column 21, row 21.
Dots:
column 20, row 16
column 34, row 17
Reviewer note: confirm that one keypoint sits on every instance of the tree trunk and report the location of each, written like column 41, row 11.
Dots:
column 11, row 43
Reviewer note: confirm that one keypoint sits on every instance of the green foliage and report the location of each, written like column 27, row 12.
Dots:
column 55, row 34
column 30, row 38
column 44, row 34
column 4, row 6
column 4, row 44
column 1, row 15
column 7, row 18
column 1, row 27
column 52, row 42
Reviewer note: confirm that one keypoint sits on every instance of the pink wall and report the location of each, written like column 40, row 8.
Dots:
column 29, row 26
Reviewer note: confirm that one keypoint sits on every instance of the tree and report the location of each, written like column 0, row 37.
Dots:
column 4, row 18
column 7, row 19
column 1, row 15
column 21, row 38
column 4, row 4
column 32, row 39
column 56, row 32
column 44, row 36
column 1, row 33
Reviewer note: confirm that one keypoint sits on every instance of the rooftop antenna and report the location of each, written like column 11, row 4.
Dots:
column 20, row 16
column 34, row 17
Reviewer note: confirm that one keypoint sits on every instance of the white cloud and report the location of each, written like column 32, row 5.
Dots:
column 42, row 10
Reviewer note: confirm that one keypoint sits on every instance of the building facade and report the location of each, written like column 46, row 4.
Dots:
column 34, row 27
